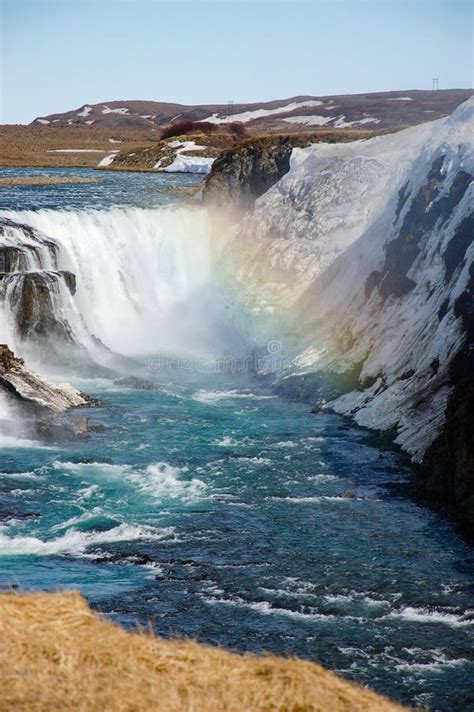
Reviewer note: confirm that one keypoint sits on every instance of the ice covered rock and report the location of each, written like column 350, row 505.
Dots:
column 371, row 245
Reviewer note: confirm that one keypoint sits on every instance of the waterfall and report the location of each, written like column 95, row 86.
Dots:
column 146, row 278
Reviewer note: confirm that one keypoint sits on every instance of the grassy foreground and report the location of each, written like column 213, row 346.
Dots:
column 56, row 654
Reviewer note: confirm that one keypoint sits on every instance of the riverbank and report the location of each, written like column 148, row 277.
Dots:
column 58, row 654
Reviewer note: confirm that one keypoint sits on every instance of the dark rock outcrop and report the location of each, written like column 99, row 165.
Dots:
column 241, row 175
column 31, row 296
column 31, row 283
column 136, row 383
column 425, row 211
column 29, row 389
column 446, row 474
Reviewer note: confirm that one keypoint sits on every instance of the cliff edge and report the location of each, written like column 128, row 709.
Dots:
column 57, row 654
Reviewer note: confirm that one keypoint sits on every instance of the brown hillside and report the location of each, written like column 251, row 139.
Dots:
column 56, row 654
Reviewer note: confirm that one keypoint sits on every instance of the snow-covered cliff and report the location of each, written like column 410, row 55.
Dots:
column 371, row 246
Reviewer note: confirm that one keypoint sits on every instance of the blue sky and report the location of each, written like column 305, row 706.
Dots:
column 60, row 54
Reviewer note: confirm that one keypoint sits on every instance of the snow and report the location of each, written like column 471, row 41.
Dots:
column 261, row 113
column 92, row 121
column 339, row 122
column 113, row 140
column 186, row 164
column 309, row 120
column 122, row 110
column 190, row 164
column 86, row 110
column 324, row 228
column 185, row 146
column 342, row 123
column 401, row 98
column 75, row 150
column 42, row 121
column 108, row 160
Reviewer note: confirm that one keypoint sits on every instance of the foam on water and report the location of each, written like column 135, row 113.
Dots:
column 74, row 542
column 212, row 397
column 426, row 615
column 12, row 442
column 163, row 481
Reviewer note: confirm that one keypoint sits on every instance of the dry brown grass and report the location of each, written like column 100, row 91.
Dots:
column 30, row 145
column 56, row 654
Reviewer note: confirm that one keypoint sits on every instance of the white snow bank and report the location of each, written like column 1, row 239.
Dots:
column 183, row 163
column 185, row 146
column 189, row 164
column 401, row 98
column 108, row 160
column 261, row 113
column 86, row 110
column 342, row 123
column 76, row 150
column 309, row 120
column 42, row 121
column 121, row 110
column 325, row 227
column 339, row 121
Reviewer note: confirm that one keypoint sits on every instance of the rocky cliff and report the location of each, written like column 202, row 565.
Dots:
column 242, row 174
column 30, row 283
column 365, row 250
column 38, row 311
column 28, row 388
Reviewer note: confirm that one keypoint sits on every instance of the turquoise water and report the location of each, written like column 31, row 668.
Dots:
column 215, row 510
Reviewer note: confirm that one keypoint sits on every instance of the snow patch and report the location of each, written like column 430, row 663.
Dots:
column 108, row 160
column 341, row 122
column 261, row 113
column 122, row 110
column 309, row 120
column 76, row 150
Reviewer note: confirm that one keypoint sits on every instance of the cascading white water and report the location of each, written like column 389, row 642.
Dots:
column 145, row 277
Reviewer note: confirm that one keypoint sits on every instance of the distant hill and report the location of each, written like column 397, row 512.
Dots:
column 385, row 110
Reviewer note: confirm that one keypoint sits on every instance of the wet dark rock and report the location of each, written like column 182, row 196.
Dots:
column 63, row 429
column 424, row 212
column 41, row 243
column 7, row 514
column 70, row 280
column 31, row 390
column 241, row 175
column 12, row 259
column 446, row 474
column 31, row 296
column 120, row 558
column 140, row 384
column 457, row 247
column 318, row 387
